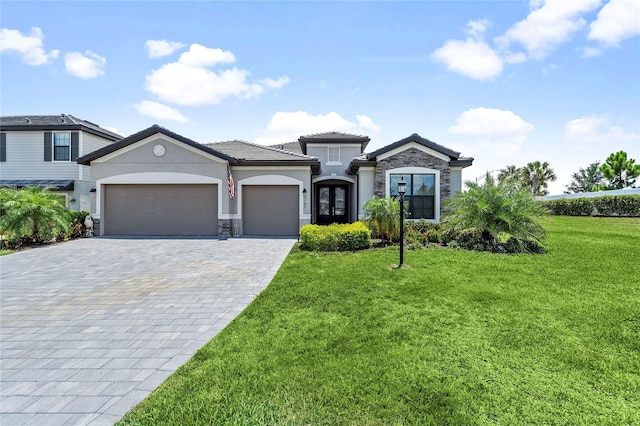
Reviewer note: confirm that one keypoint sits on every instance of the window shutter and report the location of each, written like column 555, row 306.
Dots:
column 3, row 147
column 48, row 146
column 75, row 145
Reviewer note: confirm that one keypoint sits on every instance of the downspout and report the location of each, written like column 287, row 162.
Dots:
column 357, row 195
column 311, row 195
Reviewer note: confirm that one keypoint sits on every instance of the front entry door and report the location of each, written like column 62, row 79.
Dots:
column 332, row 204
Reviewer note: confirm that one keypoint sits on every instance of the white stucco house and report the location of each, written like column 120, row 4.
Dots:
column 156, row 182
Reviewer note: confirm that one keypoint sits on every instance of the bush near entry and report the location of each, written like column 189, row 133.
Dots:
column 336, row 237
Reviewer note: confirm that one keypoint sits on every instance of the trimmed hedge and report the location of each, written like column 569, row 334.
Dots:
column 336, row 237
column 608, row 205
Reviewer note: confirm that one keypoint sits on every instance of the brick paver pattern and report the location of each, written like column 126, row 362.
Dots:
column 90, row 327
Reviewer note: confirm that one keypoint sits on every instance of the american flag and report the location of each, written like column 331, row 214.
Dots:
column 232, row 188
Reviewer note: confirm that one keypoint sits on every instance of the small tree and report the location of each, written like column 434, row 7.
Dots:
column 496, row 212
column 536, row 175
column 33, row 213
column 588, row 179
column 511, row 173
column 620, row 171
column 382, row 216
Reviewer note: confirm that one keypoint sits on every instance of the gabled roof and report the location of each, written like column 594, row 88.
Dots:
column 251, row 154
column 55, row 122
column 143, row 134
column 333, row 138
column 453, row 155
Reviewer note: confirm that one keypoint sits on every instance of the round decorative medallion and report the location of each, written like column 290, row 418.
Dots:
column 158, row 150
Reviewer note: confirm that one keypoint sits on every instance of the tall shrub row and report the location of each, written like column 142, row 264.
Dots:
column 609, row 205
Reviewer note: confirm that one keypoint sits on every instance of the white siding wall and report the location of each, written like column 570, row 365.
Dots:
column 25, row 159
column 88, row 144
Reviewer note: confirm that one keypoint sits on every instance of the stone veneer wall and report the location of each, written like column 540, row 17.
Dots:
column 413, row 157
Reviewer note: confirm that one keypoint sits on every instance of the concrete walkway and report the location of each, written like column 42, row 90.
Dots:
column 89, row 328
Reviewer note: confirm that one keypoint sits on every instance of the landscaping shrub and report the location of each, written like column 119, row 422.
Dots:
column 486, row 217
column 382, row 216
column 422, row 232
column 34, row 215
column 608, row 205
column 336, row 237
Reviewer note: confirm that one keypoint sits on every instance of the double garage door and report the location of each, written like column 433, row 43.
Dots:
column 161, row 209
column 193, row 209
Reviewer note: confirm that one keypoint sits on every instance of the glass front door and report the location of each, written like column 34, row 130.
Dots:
column 332, row 204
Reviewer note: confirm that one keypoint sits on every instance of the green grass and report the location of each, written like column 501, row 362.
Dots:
column 462, row 338
column 5, row 252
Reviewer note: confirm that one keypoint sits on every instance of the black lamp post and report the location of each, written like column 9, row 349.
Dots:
column 402, row 188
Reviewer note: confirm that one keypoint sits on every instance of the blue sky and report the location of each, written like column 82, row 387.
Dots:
column 506, row 82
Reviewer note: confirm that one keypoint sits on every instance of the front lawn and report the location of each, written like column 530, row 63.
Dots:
column 462, row 338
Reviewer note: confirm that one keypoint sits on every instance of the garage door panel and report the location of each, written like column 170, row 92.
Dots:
column 161, row 209
column 270, row 209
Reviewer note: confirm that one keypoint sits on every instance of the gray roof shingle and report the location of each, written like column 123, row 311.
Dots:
column 55, row 122
column 243, row 150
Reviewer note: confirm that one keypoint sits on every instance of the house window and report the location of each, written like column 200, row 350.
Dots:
column 421, row 190
column 333, row 157
column 62, row 146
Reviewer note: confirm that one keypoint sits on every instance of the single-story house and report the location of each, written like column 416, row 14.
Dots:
column 156, row 182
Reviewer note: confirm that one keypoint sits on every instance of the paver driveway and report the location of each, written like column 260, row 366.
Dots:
column 90, row 327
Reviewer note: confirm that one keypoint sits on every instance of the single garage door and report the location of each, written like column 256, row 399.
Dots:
column 270, row 210
column 161, row 210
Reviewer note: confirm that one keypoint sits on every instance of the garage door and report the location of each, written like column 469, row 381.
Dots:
column 161, row 210
column 270, row 210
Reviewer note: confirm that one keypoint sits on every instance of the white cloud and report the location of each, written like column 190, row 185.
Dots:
column 590, row 52
column 85, row 66
column 616, row 21
column 471, row 58
column 189, row 81
column 548, row 25
column 275, row 84
column 289, row 126
column 503, row 132
column 477, row 28
column 201, row 56
column 597, row 128
column 160, row 111
column 160, row 48
column 28, row 46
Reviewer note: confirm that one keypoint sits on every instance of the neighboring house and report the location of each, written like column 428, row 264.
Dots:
column 42, row 150
column 156, row 182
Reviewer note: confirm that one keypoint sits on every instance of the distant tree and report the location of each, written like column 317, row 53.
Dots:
column 619, row 171
column 512, row 173
column 588, row 179
column 535, row 176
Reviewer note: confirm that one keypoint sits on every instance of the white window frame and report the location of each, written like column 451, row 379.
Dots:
column 53, row 147
column 332, row 161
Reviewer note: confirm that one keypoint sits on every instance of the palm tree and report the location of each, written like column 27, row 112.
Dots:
column 620, row 171
column 509, row 172
column 382, row 216
column 496, row 210
column 536, row 175
column 34, row 213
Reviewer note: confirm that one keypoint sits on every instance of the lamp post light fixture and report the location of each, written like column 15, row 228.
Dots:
column 402, row 189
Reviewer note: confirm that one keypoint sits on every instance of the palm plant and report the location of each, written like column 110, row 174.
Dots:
column 498, row 212
column 33, row 213
column 536, row 175
column 382, row 216
column 509, row 172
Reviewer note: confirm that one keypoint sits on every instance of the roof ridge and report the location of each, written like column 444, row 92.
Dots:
column 71, row 117
column 297, row 154
column 334, row 132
